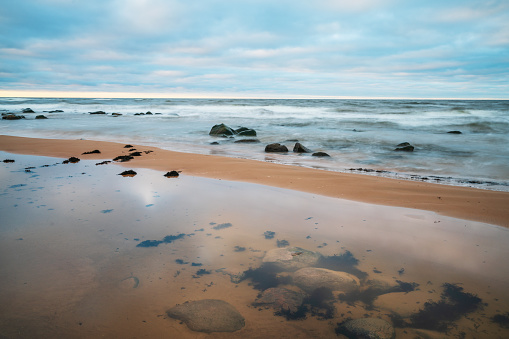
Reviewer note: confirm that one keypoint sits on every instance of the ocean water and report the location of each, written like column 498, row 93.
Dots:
column 359, row 135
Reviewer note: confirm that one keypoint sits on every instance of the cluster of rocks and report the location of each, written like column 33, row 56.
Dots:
column 306, row 285
column 14, row 116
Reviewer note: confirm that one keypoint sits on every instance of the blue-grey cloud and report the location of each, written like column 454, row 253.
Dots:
column 382, row 48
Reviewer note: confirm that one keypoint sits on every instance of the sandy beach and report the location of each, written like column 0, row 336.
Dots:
column 460, row 202
column 86, row 252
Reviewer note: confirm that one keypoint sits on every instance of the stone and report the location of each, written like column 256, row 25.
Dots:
column 221, row 130
column 128, row 173
column 299, row 148
column 172, row 174
column 116, row 114
column 280, row 298
column 41, row 117
column 12, row 116
column 27, row 110
column 97, row 112
column 408, row 148
column 276, row 148
column 208, row 315
column 372, row 328
column 320, row 154
column 245, row 132
column 311, row 278
column 291, row 258
column 247, row 141
column 454, row 132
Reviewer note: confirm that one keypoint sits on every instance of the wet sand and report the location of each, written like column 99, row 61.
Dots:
column 460, row 202
column 71, row 267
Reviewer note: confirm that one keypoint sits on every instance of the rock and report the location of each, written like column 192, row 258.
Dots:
column 299, row 148
column 245, row 132
column 280, row 298
column 12, row 116
column 128, row 146
column 372, row 328
column 291, row 258
column 221, row 130
column 123, row 158
column 172, row 174
column 406, row 148
column 97, row 112
column 276, row 148
column 454, row 132
column 27, row 110
column 320, row 154
column 311, row 278
column 128, row 173
column 41, row 117
column 208, row 315
column 9, row 161
column 55, row 111
column 116, row 114
column 96, row 151
column 148, row 113
column 247, row 141
column 405, row 304
column 72, row 160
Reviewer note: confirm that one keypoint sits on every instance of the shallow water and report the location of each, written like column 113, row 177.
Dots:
column 71, row 266
column 358, row 134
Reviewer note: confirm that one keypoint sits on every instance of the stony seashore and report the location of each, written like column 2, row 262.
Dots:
column 140, row 255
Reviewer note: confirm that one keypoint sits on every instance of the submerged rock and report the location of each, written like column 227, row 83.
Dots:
column 221, row 130
column 291, row 258
column 454, row 132
column 320, row 154
column 311, row 278
column 372, row 328
column 97, row 112
column 208, row 315
column 276, row 148
column 299, row 148
column 280, row 299
column 27, row 110
column 41, row 117
column 12, row 116
column 404, row 147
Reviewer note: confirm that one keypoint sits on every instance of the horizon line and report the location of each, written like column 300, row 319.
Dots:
column 141, row 95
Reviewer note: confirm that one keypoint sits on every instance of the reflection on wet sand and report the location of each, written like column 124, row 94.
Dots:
column 85, row 252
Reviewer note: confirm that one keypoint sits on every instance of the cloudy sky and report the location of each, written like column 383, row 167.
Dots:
column 256, row 48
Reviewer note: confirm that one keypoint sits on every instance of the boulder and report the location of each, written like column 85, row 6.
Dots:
column 404, row 147
column 172, row 174
column 291, row 258
column 41, row 117
column 245, row 132
column 320, row 154
column 221, row 130
column 311, row 278
column 276, row 148
column 27, row 110
column 208, row 315
column 372, row 328
column 97, row 112
column 12, row 116
column 454, row 132
column 299, row 148
column 280, row 298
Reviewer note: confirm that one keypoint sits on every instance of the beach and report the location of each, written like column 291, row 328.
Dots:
column 87, row 252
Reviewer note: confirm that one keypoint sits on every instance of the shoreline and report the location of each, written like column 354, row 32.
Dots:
column 458, row 202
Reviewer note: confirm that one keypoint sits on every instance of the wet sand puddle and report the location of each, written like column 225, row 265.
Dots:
column 85, row 252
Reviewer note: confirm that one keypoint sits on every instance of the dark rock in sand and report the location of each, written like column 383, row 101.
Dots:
column 372, row 328
column 245, row 132
column 27, row 110
column 172, row 174
column 454, row 132
column 311, row 278
column 208, row 315
column 280, row 298
column 291, row 258
column 128, row 146
column 299, row 148
column 320, row 154
column 247, row 141
column 12, row 116
column 221, row 130
column 276, row 148
column 72, row 160
column 97, row 112
column 103, row 162
column 96, row 151
column 128, row 173
column 41, row 117
column 123, row 158
column 135, row 154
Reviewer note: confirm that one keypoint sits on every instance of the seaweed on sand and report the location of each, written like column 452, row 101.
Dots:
column 439, row 315
column 345, row 262
column 501, row 319
column 319, row 304
column 265, row 276
column 166, row 240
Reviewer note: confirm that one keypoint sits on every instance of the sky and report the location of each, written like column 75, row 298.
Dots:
column 255, row 49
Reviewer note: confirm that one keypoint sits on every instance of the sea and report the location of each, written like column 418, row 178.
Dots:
column 456, row 142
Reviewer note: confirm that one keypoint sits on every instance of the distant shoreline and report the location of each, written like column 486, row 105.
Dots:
column 459, row 202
